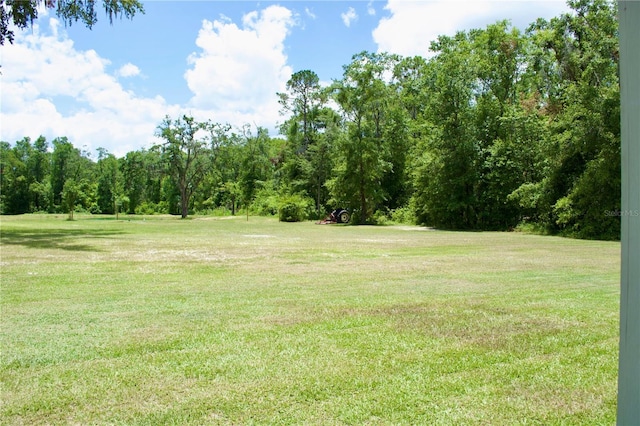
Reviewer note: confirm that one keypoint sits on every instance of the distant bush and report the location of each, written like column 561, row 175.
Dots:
column 399, row 216
column 294, row 208
column 403, row 215
column 380, row 218
column 266, row 202
column 152, row 208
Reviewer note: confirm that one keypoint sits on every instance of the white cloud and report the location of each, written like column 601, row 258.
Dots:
column 237, row 72
column 128, row 70
column 370, row 9
column 51, row 88
column 349, row 16
column 42, row 72
column 309, row 13
column 413, row 25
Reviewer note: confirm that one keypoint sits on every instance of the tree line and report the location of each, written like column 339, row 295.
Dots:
column 500, row 128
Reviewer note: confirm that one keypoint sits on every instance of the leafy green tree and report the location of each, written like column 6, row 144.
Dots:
column 73, row 193
column 445, row 172
column 303, row 99
column 155, row 172
column 305, row 161
column 14, row 186
column 134, row 178
column 320, row 163
column 361, row 156
column 229, row 161
column 121, row 203
column 38, row 166
column 66, row 163
column 208, row 193
column 578, row 54
column 110, row 185
column 257, row 166
column 186, row 153
column 70, row 194
column 498, row 54
column 409, row 82
column 23, row 13
column 396, row 136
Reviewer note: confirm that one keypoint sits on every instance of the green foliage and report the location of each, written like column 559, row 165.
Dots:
column 170, row 195
column 135, row 178
column 266, row 201
column 446, row 173
column 403, row 215
column 13, row 199
column 499, row 129
column 361, row 154
column 109, row 183
column 121, row 203
column 75, row 193
column 148, row 208
column 294, row 208
column 581, row 213
column 23, row 13
column 186, row 155
column 256, row 171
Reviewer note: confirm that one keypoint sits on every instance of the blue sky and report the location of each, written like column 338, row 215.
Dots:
column 111, row 86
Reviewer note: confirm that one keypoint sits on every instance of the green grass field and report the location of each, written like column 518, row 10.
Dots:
column 229, row 321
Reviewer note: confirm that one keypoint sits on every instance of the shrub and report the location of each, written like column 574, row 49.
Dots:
column 294, row 208
column 403, row 215
column 148, row 208
column 380, row 218
column 265, row 202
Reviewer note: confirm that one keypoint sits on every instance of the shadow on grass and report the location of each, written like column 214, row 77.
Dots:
column 63, row 239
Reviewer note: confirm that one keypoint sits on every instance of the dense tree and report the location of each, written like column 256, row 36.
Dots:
column 219, row 137
column 305, row 161
column 25, row 177
column 257, row 166
column 320, row 164
column 14, row 193
column 497, row 53
column 498, row 128
column 186, row 154
column 109, row 180
column 73, row 192
column 303, row 99
column 445, row 173
column 38, row 166
column 68, row 163
column 134, row 177
column 228, row 162
column 576, row 64
column 361, row 155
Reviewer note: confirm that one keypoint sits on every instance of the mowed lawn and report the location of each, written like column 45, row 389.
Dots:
column 229, row 321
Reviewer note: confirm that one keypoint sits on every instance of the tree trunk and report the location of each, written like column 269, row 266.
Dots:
column 363, row 195
column 184, row 203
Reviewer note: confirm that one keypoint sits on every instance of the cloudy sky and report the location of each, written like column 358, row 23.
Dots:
column 110, row 87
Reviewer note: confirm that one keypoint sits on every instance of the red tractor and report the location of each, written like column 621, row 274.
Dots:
column 337, row 216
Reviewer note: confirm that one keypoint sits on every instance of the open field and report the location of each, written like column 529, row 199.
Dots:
column 224, row 321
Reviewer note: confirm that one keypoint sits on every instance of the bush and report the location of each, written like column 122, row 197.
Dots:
column 380, row 218
column 294, row 208
column 148, row 208
column 265, row 202
column 403, row 215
